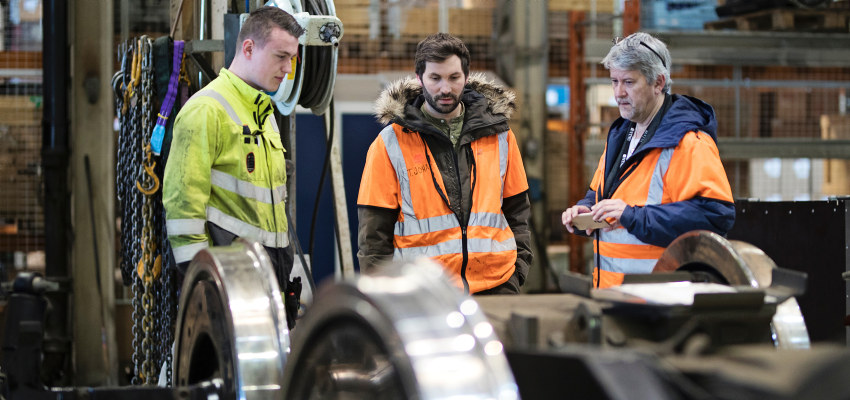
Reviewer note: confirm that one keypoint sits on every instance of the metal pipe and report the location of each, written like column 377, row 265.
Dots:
column 57, row 201
column 443, row 17
column 125, row 20
column 201, row 27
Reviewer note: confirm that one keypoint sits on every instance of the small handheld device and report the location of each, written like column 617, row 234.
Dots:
column 585, row 221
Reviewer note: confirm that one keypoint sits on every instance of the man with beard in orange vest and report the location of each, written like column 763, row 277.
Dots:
column 445, row 178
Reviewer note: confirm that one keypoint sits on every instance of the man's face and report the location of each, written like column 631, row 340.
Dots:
column 635, row 97
column 442, row 84
column 271, row 62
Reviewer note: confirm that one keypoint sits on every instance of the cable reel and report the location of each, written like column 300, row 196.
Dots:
column 321, row 30
column 286, row 96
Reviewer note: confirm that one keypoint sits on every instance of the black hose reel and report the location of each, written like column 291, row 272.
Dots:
column 311, row 87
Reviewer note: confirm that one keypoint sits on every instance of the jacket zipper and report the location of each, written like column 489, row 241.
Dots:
column 464, row 244
column 463, row 239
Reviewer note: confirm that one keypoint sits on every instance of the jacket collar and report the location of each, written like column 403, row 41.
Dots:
column 488, row 105
column 258, row 101
column 686, row 114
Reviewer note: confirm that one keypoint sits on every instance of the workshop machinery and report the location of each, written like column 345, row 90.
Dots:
column 711, row 328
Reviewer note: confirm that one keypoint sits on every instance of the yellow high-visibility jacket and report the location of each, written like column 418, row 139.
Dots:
column 226, row 169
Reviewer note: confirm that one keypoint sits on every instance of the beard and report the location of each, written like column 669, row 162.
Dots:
column 630, row 110
column 441, row 108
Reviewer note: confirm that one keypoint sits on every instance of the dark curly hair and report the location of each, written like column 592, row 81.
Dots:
column 439, row 47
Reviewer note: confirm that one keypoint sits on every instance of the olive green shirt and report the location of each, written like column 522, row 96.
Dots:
column 450, row 128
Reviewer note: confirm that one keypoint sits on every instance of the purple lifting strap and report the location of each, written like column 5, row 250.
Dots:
column 167, row 104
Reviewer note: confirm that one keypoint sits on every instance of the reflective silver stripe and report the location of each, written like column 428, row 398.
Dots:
column 491, row 220
column 224, row 103
column 490, row 245
column 274, row 123
column 447, row 247
column 246, row 230
column 653, row 197
column 503, row 158
column 185, row 253
column 619, row 236
column 455, row 247
column 413, row 226
column 656, row 184
column 185, row 226
column 627, row 265
column 400, row 167
column 247, row 189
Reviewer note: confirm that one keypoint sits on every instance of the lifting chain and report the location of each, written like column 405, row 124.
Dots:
column 145, row 265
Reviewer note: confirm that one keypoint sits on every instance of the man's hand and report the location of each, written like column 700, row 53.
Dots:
column 609, row 209
column 570, row 213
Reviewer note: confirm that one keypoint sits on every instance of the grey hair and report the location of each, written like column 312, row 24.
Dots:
column 635, row 53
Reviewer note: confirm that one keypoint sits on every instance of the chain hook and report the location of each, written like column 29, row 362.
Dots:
column 149, row 176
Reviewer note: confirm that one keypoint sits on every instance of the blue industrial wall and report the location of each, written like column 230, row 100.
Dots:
column 358, row 131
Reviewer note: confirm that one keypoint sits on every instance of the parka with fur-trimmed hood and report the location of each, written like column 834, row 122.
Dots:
column 482, row 176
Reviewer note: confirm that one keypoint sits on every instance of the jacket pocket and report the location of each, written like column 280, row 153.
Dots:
column 277, row 159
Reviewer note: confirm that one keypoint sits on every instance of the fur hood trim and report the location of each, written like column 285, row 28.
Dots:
column 392, row 101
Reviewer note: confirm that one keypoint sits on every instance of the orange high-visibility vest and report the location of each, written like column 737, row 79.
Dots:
column 480, row 255
column 664, row 175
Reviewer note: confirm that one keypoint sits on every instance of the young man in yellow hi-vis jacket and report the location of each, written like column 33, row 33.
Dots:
column 226, row 173
column 445, row 178
column 660, row 175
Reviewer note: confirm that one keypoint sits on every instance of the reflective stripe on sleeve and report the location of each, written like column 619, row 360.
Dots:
column 247, row 189
column 187, row 252
column 246, row 230
column 185, row 227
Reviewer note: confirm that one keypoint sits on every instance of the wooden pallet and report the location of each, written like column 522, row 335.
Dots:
column 786, row 19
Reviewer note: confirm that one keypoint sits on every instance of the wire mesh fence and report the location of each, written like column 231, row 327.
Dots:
column 21, row 184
